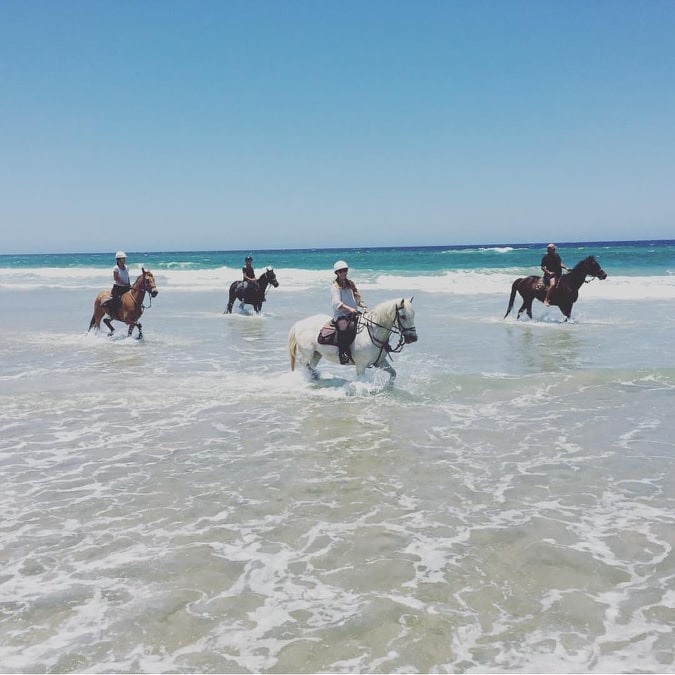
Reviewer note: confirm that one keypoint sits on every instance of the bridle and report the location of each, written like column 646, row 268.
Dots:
column 144, row 288
column 396, row 329
column 593, row 275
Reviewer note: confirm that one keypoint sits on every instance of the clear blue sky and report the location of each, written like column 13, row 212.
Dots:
column 173, row 125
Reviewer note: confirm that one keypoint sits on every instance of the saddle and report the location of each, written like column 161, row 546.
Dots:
column 241, row 290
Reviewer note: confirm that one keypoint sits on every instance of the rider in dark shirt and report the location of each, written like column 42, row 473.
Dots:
column 249, row 273
column 552, row 267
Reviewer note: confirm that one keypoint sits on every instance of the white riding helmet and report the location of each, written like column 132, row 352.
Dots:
column 120, row 254
column 340, row 265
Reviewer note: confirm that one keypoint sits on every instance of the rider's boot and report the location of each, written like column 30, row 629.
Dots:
column 346, row 357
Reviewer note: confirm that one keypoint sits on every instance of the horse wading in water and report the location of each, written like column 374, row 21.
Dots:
column 130, row 307
column 565, row 293
column 252, row 295
column 370, row 347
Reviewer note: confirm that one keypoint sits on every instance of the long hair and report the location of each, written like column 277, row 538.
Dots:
column 348, row 283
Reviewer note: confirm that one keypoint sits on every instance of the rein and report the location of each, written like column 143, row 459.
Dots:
column 383, row 345
column 145, row 288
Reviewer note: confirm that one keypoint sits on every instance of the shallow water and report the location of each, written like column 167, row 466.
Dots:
column 187, row 503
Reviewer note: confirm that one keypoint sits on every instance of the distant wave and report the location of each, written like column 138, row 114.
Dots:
column 293, row 280
column 483, row 249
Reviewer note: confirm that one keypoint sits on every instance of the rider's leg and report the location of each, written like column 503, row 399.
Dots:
column 551, row 286
column 345, row 337
column 115, row 300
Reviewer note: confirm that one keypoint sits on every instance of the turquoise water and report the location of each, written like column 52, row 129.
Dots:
column 630, row 258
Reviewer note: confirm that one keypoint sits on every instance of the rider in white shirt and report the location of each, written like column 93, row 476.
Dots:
column 347, row 302
column 121, row 282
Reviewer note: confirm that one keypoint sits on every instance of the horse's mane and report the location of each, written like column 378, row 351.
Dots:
column 387, row 308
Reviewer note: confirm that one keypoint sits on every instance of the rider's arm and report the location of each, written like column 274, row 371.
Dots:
column 117, row 279
column 336, row 301
column 359, row 301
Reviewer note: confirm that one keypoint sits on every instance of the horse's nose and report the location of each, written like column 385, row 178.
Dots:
column 154, row 293
column 410, row 336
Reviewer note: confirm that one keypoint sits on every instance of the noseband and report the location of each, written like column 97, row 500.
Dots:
column 145, row 288
column 397, row 329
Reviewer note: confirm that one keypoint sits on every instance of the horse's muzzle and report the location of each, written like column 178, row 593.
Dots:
column 409, row 335
column 602, row 274
column 154, row 292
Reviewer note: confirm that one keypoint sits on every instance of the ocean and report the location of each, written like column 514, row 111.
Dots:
column 186, row 503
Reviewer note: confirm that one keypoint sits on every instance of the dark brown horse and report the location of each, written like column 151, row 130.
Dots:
column 130, row 306
column 564, row 295
column 255, row 293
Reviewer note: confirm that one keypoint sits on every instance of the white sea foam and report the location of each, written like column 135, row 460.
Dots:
column 291, row 280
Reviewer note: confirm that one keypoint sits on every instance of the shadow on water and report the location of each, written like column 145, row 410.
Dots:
column 545, row 348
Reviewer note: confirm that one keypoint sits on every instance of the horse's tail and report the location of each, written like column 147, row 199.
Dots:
column 292, row 344
column 514, row 290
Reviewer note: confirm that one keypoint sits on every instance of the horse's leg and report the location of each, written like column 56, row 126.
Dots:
column 525, row 307
column 108, row 323
column 389, row 369
column 140, row 331
column 382, row 364
column 95, row 320
column 230, row 302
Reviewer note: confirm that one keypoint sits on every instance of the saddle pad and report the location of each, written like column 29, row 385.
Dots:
column 327, row 335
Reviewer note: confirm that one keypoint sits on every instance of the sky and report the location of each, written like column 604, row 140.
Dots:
column 167, row 125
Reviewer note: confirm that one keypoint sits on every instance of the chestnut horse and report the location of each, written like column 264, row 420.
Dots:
column 565, row 293
column 130, row 306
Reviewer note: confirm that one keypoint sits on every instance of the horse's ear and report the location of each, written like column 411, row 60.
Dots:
column 411, row 299
column 143, row 270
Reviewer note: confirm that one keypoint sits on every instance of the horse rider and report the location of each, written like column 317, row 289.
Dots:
column 346, row 301
column 249, row 274
column 552, row 267
column 121, row 282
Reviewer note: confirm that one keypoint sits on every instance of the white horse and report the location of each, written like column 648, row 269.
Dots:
column 371, row 345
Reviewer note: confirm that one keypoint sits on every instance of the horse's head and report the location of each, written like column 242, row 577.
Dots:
column 592, row 267
column 148, row 283
column 271, row 277
column 405, row 318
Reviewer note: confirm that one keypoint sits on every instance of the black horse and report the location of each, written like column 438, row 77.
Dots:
column 565, row 293
column 255, row 293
